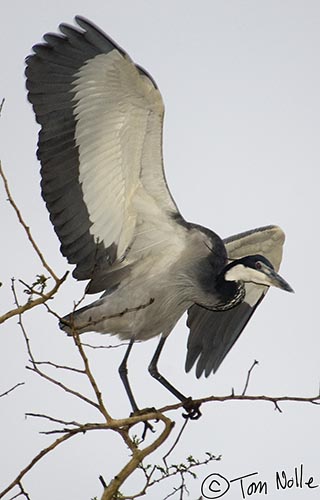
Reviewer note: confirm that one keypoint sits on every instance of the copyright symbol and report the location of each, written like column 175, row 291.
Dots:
column 214, row 486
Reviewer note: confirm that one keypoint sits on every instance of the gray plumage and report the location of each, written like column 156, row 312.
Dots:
column 100, row 148
column 213, row 334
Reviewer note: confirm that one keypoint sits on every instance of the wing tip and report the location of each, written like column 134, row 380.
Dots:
column 279, row 234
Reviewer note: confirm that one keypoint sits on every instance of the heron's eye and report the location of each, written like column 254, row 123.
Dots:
column 258, row 265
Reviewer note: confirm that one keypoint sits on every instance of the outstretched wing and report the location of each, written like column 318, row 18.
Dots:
column 100, row 147
column 212, row 334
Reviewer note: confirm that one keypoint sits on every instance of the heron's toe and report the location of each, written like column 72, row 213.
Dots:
column 146, row 425
column 192, row 408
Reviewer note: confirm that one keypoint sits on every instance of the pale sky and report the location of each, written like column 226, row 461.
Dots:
column 240, row 81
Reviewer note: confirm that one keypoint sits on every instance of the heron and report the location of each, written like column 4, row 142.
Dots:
column 103, row 182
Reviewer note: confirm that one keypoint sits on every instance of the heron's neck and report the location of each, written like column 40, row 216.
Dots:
column 231, row 293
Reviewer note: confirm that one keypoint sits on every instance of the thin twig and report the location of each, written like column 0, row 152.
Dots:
column 1, row 105
column 12, row 389
column 51, row 311
column 93, row 323
column 239, row 397
column 61, row 367
column 102, row 481
column 170, row 471
column 164, row 458
column 114, row 425
column 109, row 346
column 36, row 369
column 63, row 386
column 21, row 492
column 255, row 363
column 33, row 303
column 90, row 376
column 25, row 227
column 138, row 456
column 53, row 419
column 36, row 459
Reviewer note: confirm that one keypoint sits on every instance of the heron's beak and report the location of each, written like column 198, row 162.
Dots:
column 276, row 280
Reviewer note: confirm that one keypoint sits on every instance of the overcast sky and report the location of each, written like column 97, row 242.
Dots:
column 240, row 81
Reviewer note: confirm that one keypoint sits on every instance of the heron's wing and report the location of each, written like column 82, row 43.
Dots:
column 100, row 148
column 212, row 334
column 267, row 241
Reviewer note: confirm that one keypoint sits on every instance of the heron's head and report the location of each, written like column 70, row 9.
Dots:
column 255, row 269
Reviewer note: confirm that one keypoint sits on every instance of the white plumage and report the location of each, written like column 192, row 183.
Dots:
column 100, row 148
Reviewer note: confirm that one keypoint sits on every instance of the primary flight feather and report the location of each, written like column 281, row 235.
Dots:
column 100, row 148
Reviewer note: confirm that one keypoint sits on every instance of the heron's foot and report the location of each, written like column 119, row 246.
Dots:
column 143, row 411
column 192, row 408
column 146, row 424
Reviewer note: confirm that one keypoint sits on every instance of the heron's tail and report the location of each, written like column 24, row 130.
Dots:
column 78, row 321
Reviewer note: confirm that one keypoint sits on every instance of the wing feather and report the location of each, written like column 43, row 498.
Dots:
column 100, row 146
column 212, row 334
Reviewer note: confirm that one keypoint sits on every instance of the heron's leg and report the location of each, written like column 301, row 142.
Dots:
column 153, row 370
column 123, row 372
column 192, row 408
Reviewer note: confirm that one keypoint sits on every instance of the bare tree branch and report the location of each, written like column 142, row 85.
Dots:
column 255, row 363
column 58, row 281
column 35, row 368
column 33, row 303
column 60, row 367
column 138, row 456
column 25, row 227
column 53, row 419
column 36, row 459
column 121, row 427
column 184, row 425
column 92, row 323
column 114, row 424
column 22, row 492
column 109, row 346
column 1, row 105
column 69, row 428
column 90, row 376
column 167, row 471
column 240, row 397
column 12, row 389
